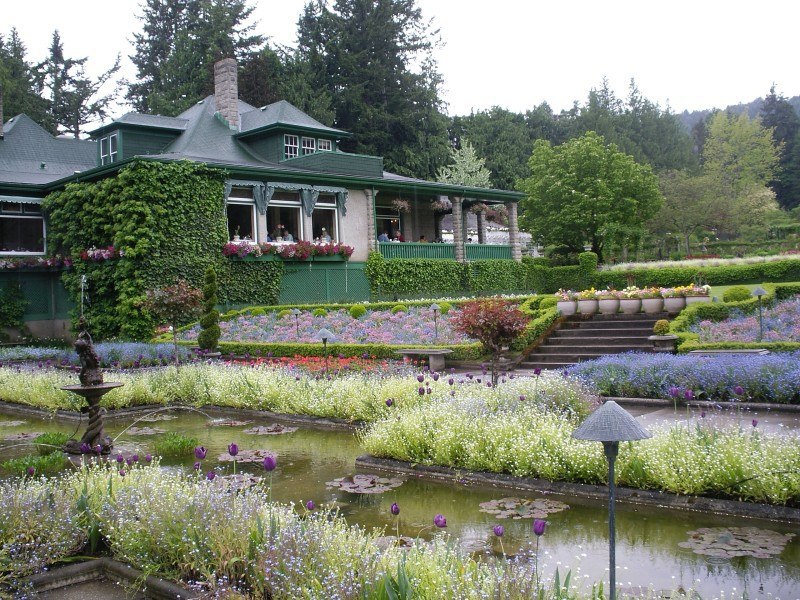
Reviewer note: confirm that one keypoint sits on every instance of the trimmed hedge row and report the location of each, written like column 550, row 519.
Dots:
column 536, row 328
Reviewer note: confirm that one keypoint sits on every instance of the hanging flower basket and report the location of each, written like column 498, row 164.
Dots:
column 400, row 205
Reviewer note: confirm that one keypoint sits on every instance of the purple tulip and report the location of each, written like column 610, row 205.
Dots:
column 389, row 402
column 499, row 530
column 538, row 526
column 395, row 509
column 97, row 449
column 428, row 390
column 31, row 471
column 200, row 452
column 738, row 390
column 436, row 377
column 135, row 458
column 522, row 398
column 148, row 458
column 421, row 391
column 440, row 521
column 420, row 378
column 122, row 472
column 233, row 449
column 129, row 462
column 755, row 422
column 120, row 458
column 450, row 381
column 85, row 448
column 688, row 394
column 270, row 463
column 537, row 372
column 310, row 505
column 197, row 466
column 211, row 475
column 674, row 391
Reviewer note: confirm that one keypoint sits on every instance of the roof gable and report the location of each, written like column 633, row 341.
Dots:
column 285, row 114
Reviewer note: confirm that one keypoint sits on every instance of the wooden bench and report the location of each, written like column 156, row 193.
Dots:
column 756, row 351
column 435, row 356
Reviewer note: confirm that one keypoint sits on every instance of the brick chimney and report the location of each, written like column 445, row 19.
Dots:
column 226, row 91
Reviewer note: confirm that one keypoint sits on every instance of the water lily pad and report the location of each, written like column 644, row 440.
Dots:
column 12, row 423
column 158, row 417
column 16, row 437
column 227, row 423
column 144, row 430
column 253, row 456
column 237, row 482
column 522, row 508
column 274, row 429
column 728, row 542
column 365, row 484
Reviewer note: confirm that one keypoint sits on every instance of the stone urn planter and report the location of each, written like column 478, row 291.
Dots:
column 608, row 306
column 664, row 343
column 674, row 305
column 630, row 306
column 652, row 305
column 697, row 299
column 587, row 307
column 566, row 307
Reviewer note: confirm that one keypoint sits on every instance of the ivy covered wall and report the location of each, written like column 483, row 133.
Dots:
column 167, row 220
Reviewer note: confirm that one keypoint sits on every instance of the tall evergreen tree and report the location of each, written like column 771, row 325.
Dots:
column 18, row 83
column 178, row 46
column 361, row 52
column 74, row 97
column 779, row 115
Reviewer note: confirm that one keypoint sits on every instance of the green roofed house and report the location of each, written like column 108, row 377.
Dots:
column 283, row 178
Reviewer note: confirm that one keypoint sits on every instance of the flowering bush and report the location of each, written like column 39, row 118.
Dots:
column 100, row 254
column 590, row 294
column 649, row 293
column 697, row 290
column 675, row 292
column 494, row 322
column 781, row 323
column 608, row 295
column 566, row 295
column 54, row 262
column 301, row 250
column 630, row 292
column 332, row 249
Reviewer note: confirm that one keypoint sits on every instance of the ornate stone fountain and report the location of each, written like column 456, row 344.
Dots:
column 92, row 388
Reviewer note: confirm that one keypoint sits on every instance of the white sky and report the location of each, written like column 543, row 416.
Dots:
column 516, row 53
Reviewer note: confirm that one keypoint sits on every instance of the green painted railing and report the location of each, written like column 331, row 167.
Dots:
column 416, row 250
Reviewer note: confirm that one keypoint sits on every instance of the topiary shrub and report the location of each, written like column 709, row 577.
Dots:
column 444, row 307
column 209, row 320
column 357, row 310
column 547, row 302
column 320, row 312
column 284, row 313
column 661, row 327
column 398, row 308
column 737, row 293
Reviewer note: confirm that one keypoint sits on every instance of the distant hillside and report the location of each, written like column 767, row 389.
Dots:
column 688, row 119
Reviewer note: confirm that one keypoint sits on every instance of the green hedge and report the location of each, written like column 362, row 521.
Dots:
column 496, row 276
column 536, row 328
column 259, row 349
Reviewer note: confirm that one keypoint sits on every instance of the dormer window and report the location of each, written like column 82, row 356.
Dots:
column 291, row 146
column 324, row 145
column 309, row 145
column 108, row 149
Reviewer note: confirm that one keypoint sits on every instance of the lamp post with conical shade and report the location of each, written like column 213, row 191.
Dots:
column 325, row 336
column 611, row 424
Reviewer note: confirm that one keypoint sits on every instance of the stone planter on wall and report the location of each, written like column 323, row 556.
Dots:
column 566, row 307
column 587, row 307
column 664, row 343
column 608, row 306
column 652, row 305
column 630, row 306
column 674, row 305
column 697, row 299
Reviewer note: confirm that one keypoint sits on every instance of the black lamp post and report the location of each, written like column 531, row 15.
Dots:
column 296, row 314
column 325, row 336
column 611, row 424
column 435, row 308
column 758, row 293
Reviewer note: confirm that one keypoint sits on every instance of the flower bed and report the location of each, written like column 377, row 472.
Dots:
column 781, row 323
column 298, row 251
column 111, row 354
column 770, row 378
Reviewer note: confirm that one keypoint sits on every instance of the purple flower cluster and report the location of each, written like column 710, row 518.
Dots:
column 781, row 324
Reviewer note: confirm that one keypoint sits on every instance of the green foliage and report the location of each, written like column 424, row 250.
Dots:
column 444, row 307
column 12, row 306
column 50, row 442
column 459, row 352
column 168, row 221
column 548, row 302
column 467, row 168
column 175, row 304
column 175, row 445
column 209, row 321
column 357, row 310
column 778, row 115
column 587, row 191
column 542, row 324
column 48, row 464
column 281, row 314
column 250, row 282
column 399, row 308
column 547, row 280
column 320, row 312
column 737, row 293
column 661, row 327
column 18, row 80
column 418, row 276
column 496, row 276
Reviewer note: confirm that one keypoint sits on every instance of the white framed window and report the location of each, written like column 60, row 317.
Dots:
column 284, row 217
column 108, row 149
column 241, row 212
column 325, row 219
column 324, row 145
column 290, row 146
column 309, row 145
column 22, row 229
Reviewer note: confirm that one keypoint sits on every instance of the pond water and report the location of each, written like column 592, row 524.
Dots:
column 648, row 550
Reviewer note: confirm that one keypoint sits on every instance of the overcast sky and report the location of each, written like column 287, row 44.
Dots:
column 517, row 53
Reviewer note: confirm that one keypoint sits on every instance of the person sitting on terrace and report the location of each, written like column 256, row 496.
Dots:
column 383, row 237
column 324, row 237
column 398, row 236
column 287, row 237
column 423, row 239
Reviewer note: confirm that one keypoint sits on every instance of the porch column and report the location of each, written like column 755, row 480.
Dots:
column 513, row 231
column 458, row 228
column 372, row 237
column 481, row 227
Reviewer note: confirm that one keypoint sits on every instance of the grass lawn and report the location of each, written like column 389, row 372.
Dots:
column 719, row 290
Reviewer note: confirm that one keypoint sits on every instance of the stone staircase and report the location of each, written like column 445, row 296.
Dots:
column 582, row 338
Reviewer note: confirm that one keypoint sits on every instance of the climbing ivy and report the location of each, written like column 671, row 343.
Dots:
column 168, row 222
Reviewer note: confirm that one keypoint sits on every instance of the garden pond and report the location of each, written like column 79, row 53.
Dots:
column 718, row 556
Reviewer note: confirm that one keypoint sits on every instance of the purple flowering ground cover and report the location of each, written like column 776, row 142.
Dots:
column 781, row 324
column 414, row 327
column 769, row 378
